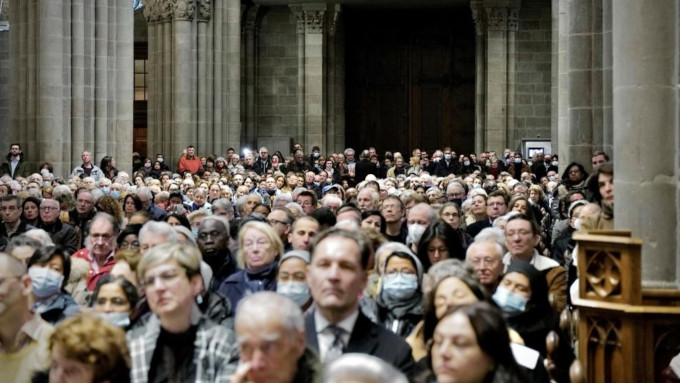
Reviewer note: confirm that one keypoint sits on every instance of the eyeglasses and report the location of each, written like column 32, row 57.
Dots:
column 521, row 233
column 10, row 208
column 165, row 278
column 484, row 261
column 48, row 208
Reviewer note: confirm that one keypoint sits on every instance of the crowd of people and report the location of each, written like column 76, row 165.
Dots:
column 265, row 267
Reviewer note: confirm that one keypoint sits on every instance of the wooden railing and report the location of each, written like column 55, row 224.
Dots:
column 625, row 333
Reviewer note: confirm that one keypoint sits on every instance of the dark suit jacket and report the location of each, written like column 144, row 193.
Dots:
column 369, row 338
column 476, row 227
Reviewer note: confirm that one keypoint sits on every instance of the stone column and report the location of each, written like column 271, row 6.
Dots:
column 332, row 83
column 607, row 93
column 4, row 74
column 563, row 85
column 584, row 87
column 71, row 77
column 232, row 63
column 250, row 118
column 513, row 24
column 206, row 135
column 299, row 14
column 496, row 132
column 646, row 134
column 479, row 17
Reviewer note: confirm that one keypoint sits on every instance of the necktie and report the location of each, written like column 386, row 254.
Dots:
column 337, row 347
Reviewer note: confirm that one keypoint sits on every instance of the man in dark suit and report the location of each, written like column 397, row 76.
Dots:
column 336, row 276
column 364, row 167
column 496, row 206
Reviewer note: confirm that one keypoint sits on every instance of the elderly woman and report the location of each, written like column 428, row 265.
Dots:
column 89, row 350
column 49, row 268
column 235, row 165
column 259, row 249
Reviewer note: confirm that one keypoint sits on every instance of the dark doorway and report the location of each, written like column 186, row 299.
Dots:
column 410, row 79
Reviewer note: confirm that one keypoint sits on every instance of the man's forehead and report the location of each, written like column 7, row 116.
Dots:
column 211, row 225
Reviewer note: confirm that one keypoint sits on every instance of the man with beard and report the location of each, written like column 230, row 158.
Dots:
column 213, row 241
column 15, row 164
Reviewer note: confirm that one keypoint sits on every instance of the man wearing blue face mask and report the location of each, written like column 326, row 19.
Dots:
column 517, row 167
column 400, row 298
column 292, row 278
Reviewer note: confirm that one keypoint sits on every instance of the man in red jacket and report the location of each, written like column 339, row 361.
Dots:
column 190, row 163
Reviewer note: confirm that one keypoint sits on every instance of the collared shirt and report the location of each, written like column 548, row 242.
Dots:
column 12, row 230
column 31, row 331
column 93, row 262
column 325, row 334
column 14, row 162
column 540, row 262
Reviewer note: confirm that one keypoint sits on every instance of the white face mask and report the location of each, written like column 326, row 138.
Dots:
column 577, row 224
column 415, row 232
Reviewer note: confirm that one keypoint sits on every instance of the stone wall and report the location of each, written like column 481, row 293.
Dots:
column 277, row 63
column 4, row 88
column 533, row 73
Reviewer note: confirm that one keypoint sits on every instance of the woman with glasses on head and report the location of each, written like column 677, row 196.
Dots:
column 259, row 249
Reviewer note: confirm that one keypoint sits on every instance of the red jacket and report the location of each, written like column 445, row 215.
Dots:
column 193, row 165
column 94, row 276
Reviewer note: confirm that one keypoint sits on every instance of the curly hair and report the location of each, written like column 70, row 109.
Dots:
column 95, row 342
column 109, row 205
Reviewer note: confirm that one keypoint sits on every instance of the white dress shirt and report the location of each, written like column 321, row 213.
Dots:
column 325, row 335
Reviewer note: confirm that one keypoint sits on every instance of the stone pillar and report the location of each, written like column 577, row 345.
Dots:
column 203, row 52
column 299, row 14
column 332, row 83
column 4, row 74
column 513, row 24
column 501, row 25
column 232, row 63
column 554, row 76
column 585, row 81
column 479, row 17
column 646, row 134
column 607, row 93
column 563, row 86
column 250, row 118
column 71, row 72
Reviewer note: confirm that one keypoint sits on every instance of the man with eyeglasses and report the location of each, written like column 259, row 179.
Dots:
column 263, row 162
column 24, row 336
column 61, row 233
column 393, row 210
column 178, row 343
column 13, row 225
column 281, row 219
column 496, row 206
column 100, row 247
column 82, row 214
column 522, row 234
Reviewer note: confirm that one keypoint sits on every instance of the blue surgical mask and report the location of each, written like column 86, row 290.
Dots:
column 508, row 301
column 447, row 157
column 518, row 160
column 45, row 281
column 115, row 194
column 298, row 292
column 466, row 163
column 194, row 231
column 399, row 287
column 106, row 191
column 117, row 319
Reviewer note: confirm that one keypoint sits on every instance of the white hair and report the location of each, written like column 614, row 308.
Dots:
column 267, row 305
column 362, row 368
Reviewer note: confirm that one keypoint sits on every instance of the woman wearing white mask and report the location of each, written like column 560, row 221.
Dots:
column 114, row 299
column 400, row 298
column 292, row 278
column 49, row 268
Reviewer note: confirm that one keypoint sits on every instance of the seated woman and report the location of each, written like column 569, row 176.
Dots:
column 87, row 349
column 522, row 295
column 400, row 299
column 259, row 249
column 49, row 268
column 291, row 278
column 471, row 344
column 114, row 300
column 439, row 241
column 450, row 284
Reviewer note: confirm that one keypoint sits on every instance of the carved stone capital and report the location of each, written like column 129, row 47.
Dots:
column 310, row 17
column 184, row 9
column 497, row 19
column 513, row 19
column 250, row 19
column 479, row 18
column 4, row 11
column 204, row 10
